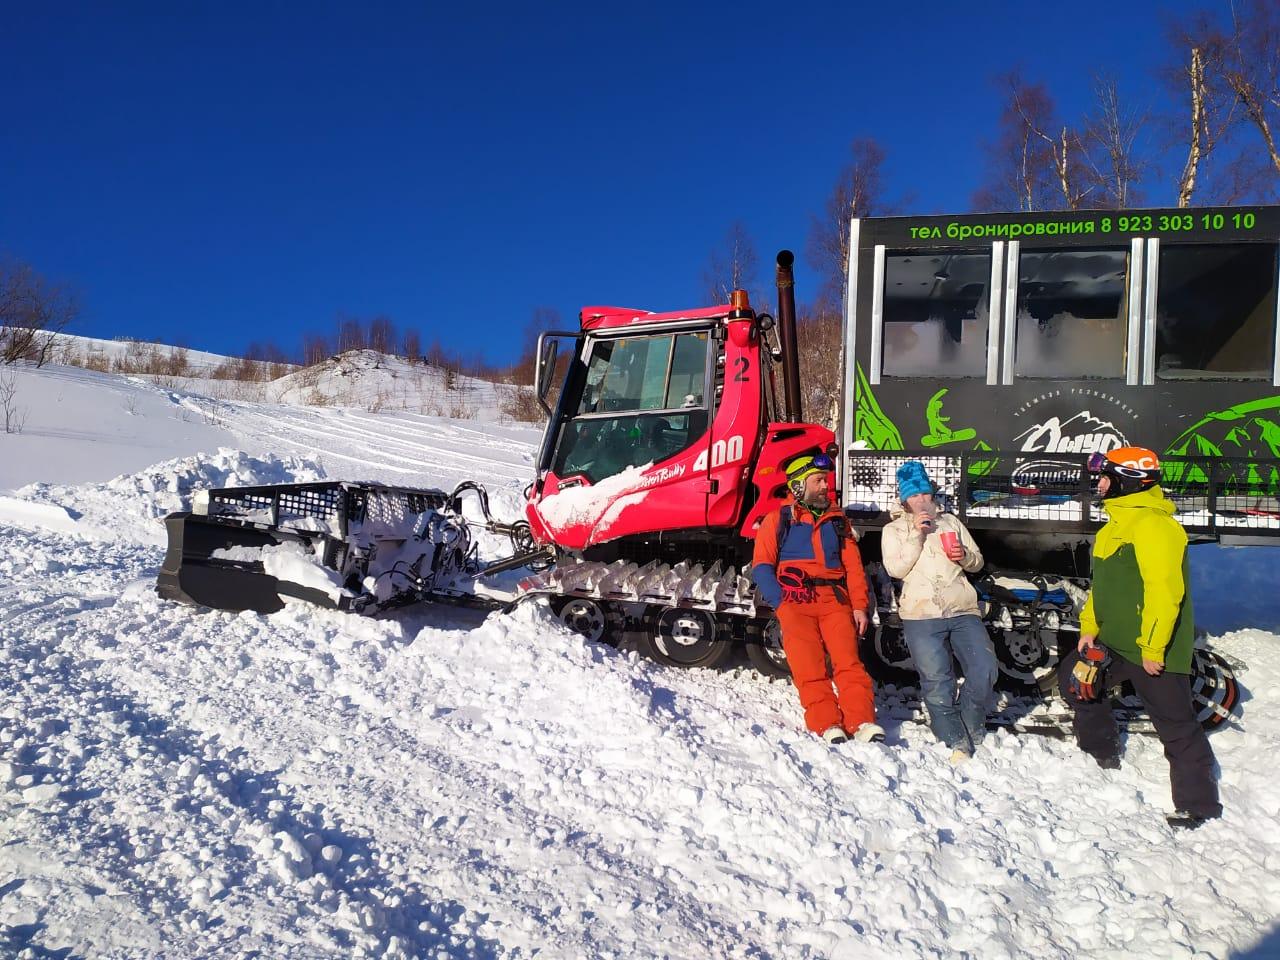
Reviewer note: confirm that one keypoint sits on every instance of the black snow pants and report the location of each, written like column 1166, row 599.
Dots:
column 1167, row 699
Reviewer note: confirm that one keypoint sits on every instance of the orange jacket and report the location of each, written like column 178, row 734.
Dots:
column 813, row 548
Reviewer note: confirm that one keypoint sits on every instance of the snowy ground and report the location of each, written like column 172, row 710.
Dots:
column 185, row 784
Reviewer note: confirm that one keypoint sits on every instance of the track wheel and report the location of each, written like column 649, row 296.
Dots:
column 766, row 653
column 585, row 616
column 687, row 638
column 1028, row 659
column 884, row 653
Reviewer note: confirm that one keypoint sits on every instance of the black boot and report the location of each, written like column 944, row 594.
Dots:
column 1182, row 820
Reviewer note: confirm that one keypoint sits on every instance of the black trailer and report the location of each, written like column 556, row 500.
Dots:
column 1003, row 349
column 1014, row 345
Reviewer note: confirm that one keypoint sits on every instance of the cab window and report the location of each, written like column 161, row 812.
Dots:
column 646, row 373
column 644, row 400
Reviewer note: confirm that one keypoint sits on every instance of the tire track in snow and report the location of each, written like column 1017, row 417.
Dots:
column 430, row 457
column 113, row 702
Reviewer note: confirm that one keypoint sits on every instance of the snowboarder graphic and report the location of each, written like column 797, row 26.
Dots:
column 939, row 433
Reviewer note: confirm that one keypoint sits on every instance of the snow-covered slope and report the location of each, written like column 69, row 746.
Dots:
column 376, row 382
column 94, row 351
column 311, row 784
column 81, row 425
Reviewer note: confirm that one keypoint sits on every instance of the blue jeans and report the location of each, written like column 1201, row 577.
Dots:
column 959, row 724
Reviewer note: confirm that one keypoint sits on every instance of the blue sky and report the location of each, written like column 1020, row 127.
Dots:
column 221, row 173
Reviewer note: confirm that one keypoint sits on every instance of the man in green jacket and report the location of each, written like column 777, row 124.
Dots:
column 1140, row 612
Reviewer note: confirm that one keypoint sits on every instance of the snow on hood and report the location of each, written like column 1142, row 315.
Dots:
column 578, row 505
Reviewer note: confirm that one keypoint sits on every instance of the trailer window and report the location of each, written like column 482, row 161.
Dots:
column 1072, row 312
column 1215, row 312
column 935, row 314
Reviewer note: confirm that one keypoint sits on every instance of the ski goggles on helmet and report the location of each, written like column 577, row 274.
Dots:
column 1101, row 463
column 803, row 466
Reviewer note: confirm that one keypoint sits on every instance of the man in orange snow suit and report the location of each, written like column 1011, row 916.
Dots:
column 807, row 567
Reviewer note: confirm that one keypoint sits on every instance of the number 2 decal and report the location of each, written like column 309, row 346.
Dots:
column 743, row 365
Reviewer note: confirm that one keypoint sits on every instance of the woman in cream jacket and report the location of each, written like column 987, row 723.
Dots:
column 930, row 552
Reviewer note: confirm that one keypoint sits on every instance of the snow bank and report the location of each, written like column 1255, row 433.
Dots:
column 129, row 506
column 80, row 426
column 374, row 381
column 309, row 784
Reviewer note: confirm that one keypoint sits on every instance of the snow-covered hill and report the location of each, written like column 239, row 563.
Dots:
column 310, row 784
column 95, row 352
column 361, row 415
column 358, row 378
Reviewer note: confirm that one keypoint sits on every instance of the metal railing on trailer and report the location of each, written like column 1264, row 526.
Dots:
column 1217, row 498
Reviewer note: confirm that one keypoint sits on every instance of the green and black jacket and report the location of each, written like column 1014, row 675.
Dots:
column 1139, row 605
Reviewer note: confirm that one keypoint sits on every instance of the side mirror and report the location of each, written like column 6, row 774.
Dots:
column 548, row 348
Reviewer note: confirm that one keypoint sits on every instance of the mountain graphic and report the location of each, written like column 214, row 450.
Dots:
column 1249, row 431
column 1083, row 422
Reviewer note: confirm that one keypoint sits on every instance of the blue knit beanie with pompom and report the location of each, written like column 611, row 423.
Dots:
column 913, row 479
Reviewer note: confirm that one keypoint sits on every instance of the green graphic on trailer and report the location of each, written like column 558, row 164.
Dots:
column 1247, row 430
column 872, row 425
column 980, row 468
column 939, row 432
column 869, row 421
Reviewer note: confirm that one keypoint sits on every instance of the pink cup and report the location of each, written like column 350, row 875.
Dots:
column 949, row 540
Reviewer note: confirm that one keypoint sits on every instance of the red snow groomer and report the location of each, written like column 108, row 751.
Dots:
column 662, row 453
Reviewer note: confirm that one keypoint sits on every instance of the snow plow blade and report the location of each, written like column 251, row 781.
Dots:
column 192, row 574
column 361, row 547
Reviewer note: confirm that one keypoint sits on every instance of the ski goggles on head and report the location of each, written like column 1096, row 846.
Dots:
column 1101, row 463
column 819, row 463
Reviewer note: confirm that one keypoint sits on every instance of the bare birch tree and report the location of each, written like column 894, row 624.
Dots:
column 315, row 349
column 1114, row 163
column 820, row 342
column 732, row 266
column 858, row 192
column 1251, row 67
column 1037, row 160
column 1199, row 142
column 1207, row 114
column 523, row 370
column 411, row 346
column 382, row 334
column 351, row 334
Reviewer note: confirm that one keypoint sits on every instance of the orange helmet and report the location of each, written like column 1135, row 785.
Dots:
column 1131, row 469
